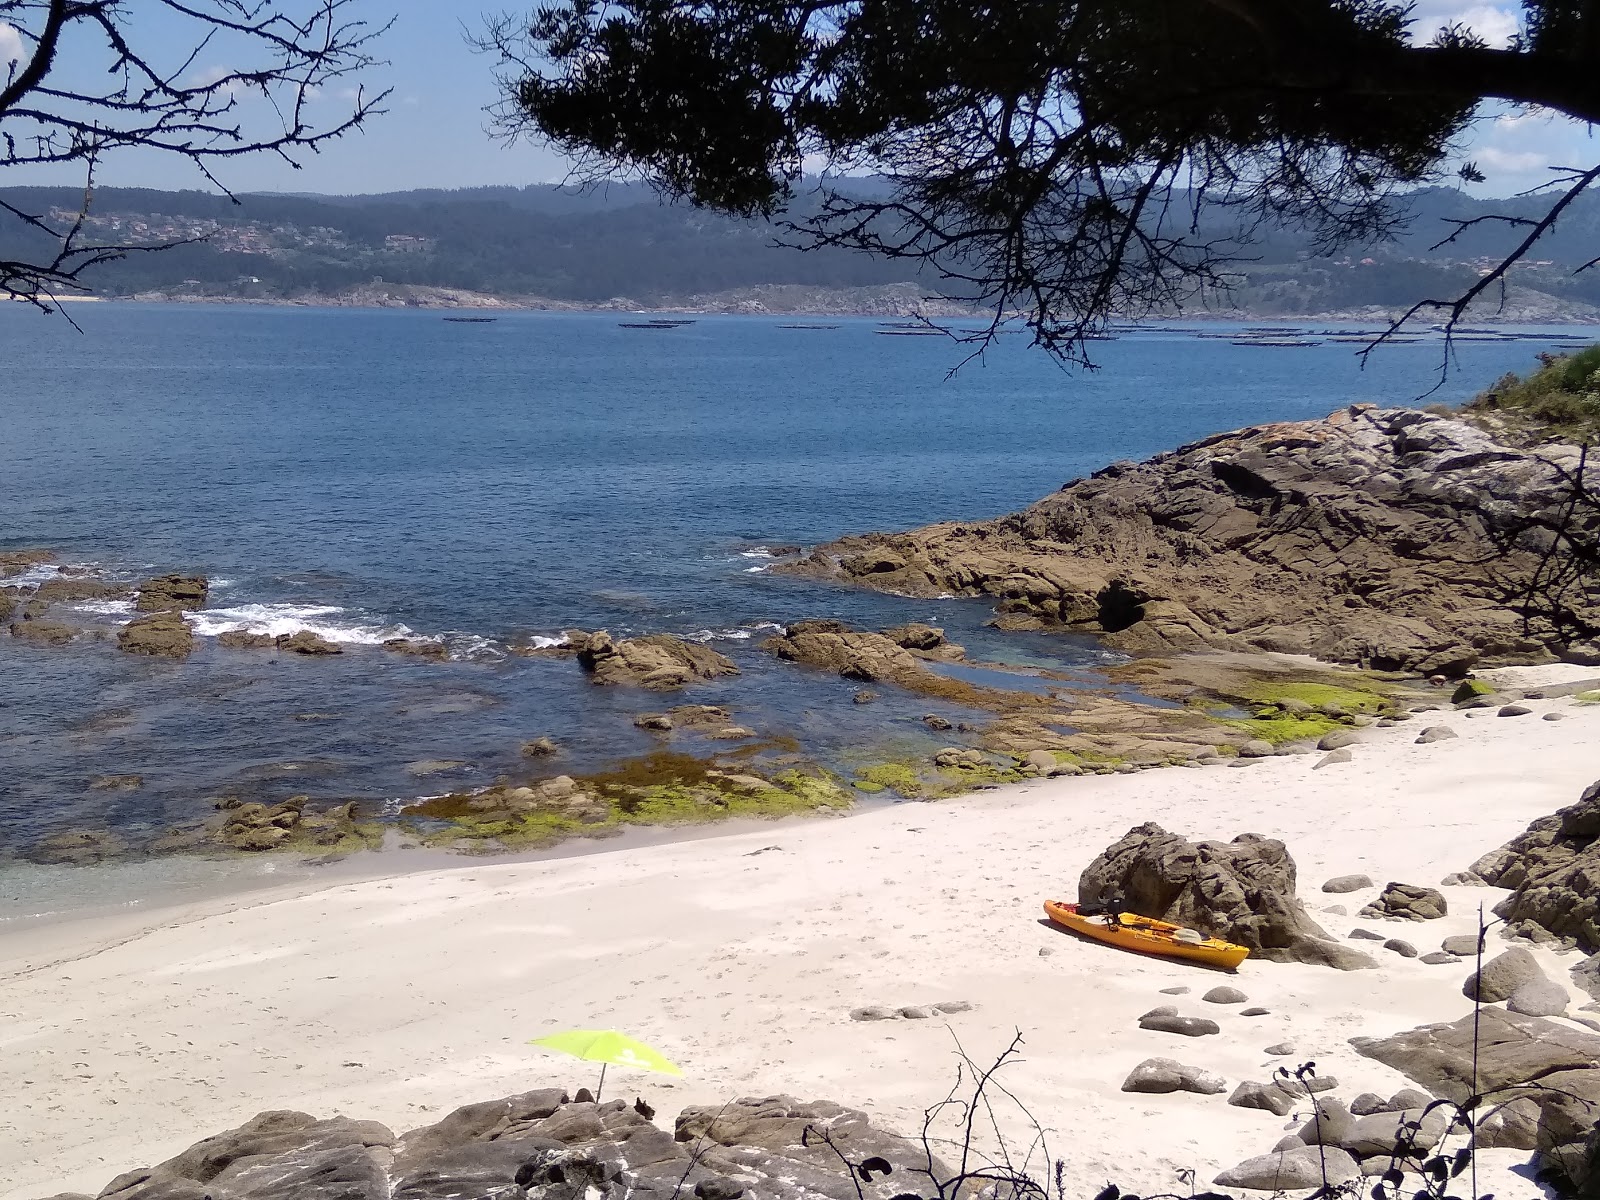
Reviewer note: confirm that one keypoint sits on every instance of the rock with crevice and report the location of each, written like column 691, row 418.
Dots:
column 659, row 661
column 545, row 1145
column 1407, row 902
column 1242, row 891
column 179, row 593
column 1553, row 871
column 1157, row 1076
column 1268, row 537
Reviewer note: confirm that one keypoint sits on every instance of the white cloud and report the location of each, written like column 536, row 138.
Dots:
column 10, row 46
column 1492, row 158
column 213, row 75
column 1494, row 23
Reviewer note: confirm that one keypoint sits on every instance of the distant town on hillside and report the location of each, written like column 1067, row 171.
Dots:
column 620, row 247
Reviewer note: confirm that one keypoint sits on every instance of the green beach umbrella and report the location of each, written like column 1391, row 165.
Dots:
column 608, row 1048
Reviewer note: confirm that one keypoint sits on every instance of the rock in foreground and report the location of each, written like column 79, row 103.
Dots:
column 542, row 1146
column 1517, row 1056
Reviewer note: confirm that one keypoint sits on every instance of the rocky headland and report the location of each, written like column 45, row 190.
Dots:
column 1391, row 539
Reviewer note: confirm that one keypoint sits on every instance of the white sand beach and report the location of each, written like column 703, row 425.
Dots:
column 123, row 1041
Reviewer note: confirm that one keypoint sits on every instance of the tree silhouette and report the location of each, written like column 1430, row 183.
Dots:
column 1068, row 159
column 81, row 78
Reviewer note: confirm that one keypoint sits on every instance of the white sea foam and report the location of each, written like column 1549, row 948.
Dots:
column 757, row 552
column 325, row 620
column 102, row 608
column 32, row 577
column 755, row 570
column 547, row 643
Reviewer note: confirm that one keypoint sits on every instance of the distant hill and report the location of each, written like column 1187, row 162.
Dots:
column 620, row 244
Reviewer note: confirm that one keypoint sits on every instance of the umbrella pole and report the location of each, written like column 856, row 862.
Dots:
column 600, row 1087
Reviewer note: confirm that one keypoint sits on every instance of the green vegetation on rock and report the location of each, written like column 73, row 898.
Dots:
column 1279, row 730
column 898, row 777
column 1558, row 402
column 1318, row 695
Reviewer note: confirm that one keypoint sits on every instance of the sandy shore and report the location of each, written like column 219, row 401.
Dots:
column 400, row 998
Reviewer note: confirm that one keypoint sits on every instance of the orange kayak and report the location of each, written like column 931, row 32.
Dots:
column 1149, row 936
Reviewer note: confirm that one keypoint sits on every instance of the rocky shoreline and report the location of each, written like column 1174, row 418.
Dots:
column 1391, row 539
column 1196, row 710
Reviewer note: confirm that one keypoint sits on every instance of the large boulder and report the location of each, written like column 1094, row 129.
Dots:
column 1291, row 1170
column 180, row 592
column 1157, row 1076
column 1512, row 1049
column 1242, row 891
column 1274, row 536
column 1502, row 975
column 1553, row 869
column 163, row 634
column 658, row 661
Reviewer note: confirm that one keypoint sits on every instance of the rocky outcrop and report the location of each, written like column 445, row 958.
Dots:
column 65, row 589
column 1407, row 902
column 184, row 593
column 1553, row 869
column 243, row 639
column 1242, row 891
column 163, row 634
column 658, row 661
column 304, row 641
column 849, row 653
column 542, row 1146
column 15, row 562
column 1389, row 538
column 43, row 633
column 1512, row 1057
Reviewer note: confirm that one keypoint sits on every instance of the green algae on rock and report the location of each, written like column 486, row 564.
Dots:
column 665, row 787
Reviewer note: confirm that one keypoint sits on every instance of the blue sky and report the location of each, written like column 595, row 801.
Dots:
column 435, row 133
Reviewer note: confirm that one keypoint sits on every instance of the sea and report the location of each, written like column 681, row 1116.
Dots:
column 368, row 474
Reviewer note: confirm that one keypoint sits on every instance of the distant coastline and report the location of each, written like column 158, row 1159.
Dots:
column 1520, row 307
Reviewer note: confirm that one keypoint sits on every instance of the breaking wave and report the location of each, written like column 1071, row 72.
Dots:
column 325, row 620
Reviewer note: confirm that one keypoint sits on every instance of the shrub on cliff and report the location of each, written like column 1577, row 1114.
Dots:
column 1558, row 402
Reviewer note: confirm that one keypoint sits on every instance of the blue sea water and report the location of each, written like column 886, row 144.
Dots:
column 370, row 472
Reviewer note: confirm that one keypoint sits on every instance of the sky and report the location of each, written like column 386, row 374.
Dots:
column 436, row 133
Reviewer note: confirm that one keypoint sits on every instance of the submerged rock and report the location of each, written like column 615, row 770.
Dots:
column 43, row 633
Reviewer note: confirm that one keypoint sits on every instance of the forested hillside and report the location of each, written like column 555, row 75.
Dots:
column 620, row 243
